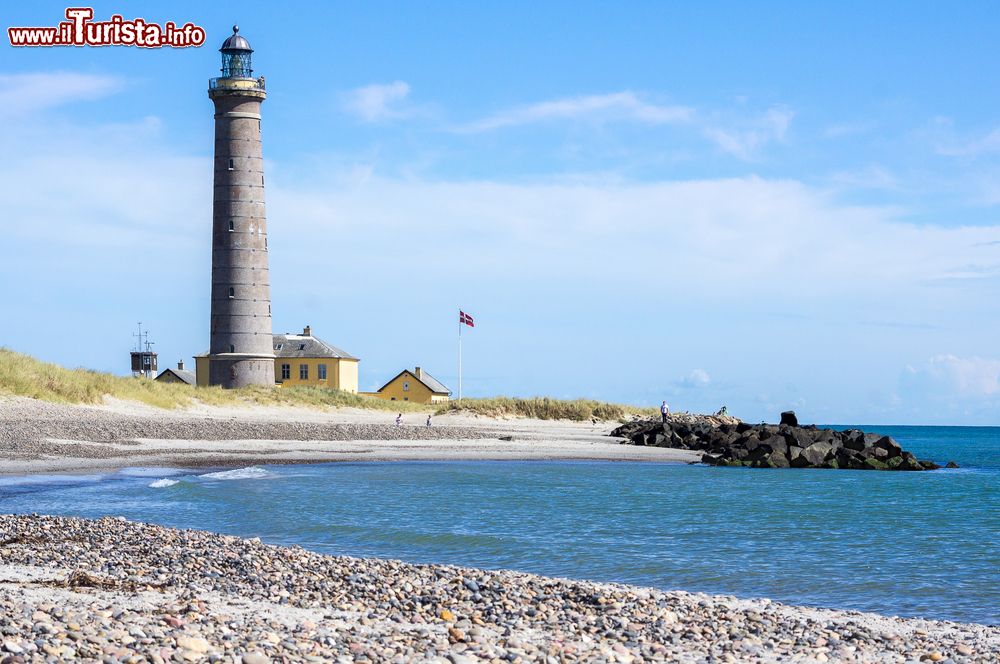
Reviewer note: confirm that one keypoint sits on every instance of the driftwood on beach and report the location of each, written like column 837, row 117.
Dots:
column 730, row 442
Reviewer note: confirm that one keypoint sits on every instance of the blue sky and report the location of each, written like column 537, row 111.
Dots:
column 767, row 205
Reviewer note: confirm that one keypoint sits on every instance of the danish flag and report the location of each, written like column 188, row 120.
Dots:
column 465, row 318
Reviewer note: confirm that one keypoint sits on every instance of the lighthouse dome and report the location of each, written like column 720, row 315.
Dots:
column 236, row 42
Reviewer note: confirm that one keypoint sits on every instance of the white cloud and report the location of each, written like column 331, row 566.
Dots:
column 746, row 141
column 958, row 376
column 698, row 378
column 972, row 147
column 373, row 103
column 617, row 106
column 21, row 94
column 742, row 137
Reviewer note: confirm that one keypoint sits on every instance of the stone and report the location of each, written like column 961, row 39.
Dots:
column 951, row 464
column 192, row 643
column 853, row 439
column 788, row 417
column 776, row 444
column 816, row 453
column 255, row 657
column 12, row 647
column 778, row 460
column 871, row 463
column 889, row 445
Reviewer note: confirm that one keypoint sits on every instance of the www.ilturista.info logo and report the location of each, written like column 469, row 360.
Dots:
column 80, row 30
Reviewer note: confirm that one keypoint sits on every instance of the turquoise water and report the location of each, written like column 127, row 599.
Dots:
column 915, row 544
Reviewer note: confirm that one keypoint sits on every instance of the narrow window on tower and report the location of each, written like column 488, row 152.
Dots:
column 232, row 226
column 232, row 292
column 230, row 164
column 232, row 348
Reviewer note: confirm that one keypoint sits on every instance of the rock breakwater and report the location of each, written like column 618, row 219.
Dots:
column 735, row 443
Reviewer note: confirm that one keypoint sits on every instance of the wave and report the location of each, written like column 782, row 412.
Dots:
column 250, row 473
column 163, row 483
column 150, row 471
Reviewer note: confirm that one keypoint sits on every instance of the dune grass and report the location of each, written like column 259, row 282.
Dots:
column 23, row 375
column 544, row 408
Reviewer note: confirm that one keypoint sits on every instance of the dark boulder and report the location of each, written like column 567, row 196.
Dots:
column 816, row 453
column 853, row 439
column 778, row 460
column 788, row 417
column 889, row 445
column 799, row 437
column 776, row 444
column 874, row 464
column 951, row 464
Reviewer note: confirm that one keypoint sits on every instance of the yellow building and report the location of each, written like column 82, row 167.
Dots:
column 417, row 386
column 304, row 360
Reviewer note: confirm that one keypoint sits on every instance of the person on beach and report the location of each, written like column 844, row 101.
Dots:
column 399, row 419
column 664, row 411
column 428, row 420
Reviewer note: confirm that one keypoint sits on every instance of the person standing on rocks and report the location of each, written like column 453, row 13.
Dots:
column 399, row 419
column 664, row 411
column 428, row 420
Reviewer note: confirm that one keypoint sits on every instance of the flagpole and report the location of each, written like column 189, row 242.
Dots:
column 460, row 359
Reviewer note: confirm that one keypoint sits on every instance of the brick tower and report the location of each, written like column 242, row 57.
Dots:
column 241, row 352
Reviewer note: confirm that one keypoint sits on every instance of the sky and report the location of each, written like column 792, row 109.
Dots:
column 766, row 206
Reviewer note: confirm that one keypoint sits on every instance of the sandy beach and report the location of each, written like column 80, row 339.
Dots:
column 40, row 437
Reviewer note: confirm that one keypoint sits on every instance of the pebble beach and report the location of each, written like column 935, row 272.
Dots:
column 111, row 590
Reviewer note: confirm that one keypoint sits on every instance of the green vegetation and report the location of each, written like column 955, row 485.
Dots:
column 544, row 408
column 23, row 375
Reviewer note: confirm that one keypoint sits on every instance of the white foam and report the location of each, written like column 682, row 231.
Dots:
column 250, row 473
column 162, row 484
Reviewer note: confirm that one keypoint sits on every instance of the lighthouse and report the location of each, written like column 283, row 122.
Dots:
column 241, row 351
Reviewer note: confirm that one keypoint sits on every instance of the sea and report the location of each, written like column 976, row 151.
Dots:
column 923, row 544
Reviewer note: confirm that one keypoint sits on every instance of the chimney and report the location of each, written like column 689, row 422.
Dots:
column 180, row 365
column 307, row 331
column 419, row 373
